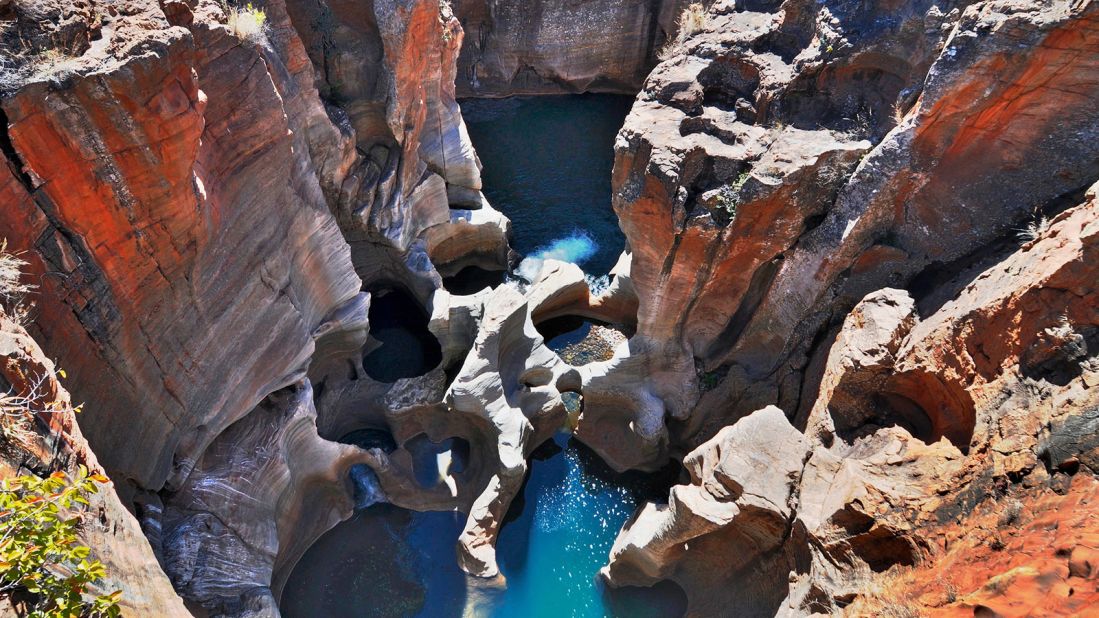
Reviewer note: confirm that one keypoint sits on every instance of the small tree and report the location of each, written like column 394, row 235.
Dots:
column 39, row 553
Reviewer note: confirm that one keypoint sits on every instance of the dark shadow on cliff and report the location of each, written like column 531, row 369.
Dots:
column 405, row 348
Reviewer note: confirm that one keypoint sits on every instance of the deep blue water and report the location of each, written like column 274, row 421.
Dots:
column 390, row 562
column 547, row 166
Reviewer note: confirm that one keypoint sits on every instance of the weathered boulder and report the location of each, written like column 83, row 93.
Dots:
column 736, row 509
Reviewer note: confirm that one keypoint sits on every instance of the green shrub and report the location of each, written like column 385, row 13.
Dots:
column 40, row 559
column 729, row 198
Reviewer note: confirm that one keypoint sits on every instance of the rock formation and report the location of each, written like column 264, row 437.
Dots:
column 197, row 215
column 860, row 288
column 981, row 410
column 792, row 158
column 552, row 47
column 40, row 435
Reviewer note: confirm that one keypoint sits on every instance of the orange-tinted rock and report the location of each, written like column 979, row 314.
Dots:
column 925, row 428
column 175, row 297
column 1020, row 555
column 761, row 114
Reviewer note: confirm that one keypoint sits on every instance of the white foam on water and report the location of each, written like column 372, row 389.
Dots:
column 577, row 247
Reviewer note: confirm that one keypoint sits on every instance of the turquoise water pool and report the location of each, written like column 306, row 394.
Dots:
column 560, row 533
column 389, row 562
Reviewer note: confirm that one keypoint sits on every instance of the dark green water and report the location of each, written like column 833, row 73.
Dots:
column 547, row 166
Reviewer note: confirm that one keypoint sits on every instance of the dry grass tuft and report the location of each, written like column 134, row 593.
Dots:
column 249, row 23
column 1034, row 229
column 13, row 292
column 693, row 20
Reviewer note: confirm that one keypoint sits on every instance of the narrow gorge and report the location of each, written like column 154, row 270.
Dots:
column 555, row 308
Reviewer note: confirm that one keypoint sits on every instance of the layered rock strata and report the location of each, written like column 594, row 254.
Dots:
column 983, row 408
column 793, row 157
column 554, row 47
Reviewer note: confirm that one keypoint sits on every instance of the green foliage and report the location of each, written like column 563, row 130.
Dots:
column 709, row 380
column 39, row 553
column 729, row 198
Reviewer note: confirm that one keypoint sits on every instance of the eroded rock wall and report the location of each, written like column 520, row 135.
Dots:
column 142, row 193
column 978, row 416
column 792, row 157
column 385, row 72
column 557, row 47
column 197, row 201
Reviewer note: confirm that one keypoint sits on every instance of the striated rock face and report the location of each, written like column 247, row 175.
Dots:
column 226, row 552
column 555, row 46
column 793, row 157
column 42, row 437
column 143, row 195
column 924, row 427
column 385, row 71
column 201, row 208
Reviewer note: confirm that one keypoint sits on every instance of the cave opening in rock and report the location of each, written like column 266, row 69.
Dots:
column 435, row 462
column 400, row 346
column 472, row 279
column 369, row 437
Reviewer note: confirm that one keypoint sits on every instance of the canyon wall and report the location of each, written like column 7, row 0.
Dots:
column 203, row 194
column 972, row 425
column 880, row 221
column 556, row 47
column 860, row 263
column 791, row 159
